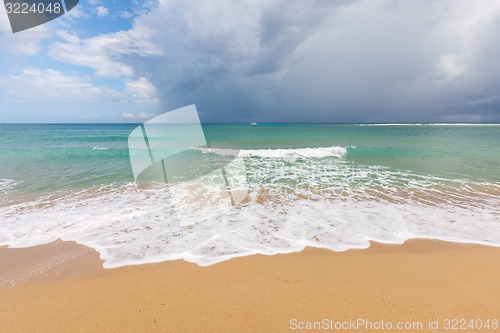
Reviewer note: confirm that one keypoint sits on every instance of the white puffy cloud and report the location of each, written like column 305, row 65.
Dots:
column 128, row 115
column 104, row 53
column 48, row 84
column 140, row 116
column 49, row 95
column 102, row 11
column 142, row 89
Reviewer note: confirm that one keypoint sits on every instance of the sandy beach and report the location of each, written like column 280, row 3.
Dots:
column 61, row 287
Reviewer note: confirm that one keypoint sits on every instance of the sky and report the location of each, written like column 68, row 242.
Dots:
column 361, row 61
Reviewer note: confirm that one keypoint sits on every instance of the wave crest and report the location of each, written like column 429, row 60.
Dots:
column 320, row 152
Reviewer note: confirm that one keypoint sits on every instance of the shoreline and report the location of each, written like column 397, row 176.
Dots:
column 62, row 260
column 420, row 280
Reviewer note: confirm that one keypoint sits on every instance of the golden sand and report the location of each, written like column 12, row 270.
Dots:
column 60, row 287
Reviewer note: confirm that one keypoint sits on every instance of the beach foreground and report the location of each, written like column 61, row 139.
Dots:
column 61, row 287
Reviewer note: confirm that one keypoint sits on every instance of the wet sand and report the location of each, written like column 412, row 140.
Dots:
column 61, row 287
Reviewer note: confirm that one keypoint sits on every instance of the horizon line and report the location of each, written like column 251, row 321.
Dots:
column 262, row 123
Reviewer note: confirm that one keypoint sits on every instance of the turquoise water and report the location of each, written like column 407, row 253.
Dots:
column 471, row 152
column 335, row 186
column 45, row 158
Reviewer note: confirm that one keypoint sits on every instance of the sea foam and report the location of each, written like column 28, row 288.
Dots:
column 429, row 124
column 295, row 152
column 297, row 198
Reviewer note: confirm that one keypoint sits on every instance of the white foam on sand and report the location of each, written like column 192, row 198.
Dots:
column 318, row 200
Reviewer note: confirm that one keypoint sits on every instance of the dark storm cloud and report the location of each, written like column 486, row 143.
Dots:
column 349, row 61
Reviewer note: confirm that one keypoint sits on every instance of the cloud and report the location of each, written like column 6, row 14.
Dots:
column 225, row 56
column 26, row 43
column 104, row 53
column 49, row 95
column 277, row 60
column 102, row 11
column 35, row 84
column 49, row 84
column 139, row 116
column 141, row 89
column 128, row 115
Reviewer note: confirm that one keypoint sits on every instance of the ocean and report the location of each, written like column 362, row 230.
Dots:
column 334, row 186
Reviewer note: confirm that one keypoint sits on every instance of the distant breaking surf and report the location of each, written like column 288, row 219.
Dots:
column 428, row 124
